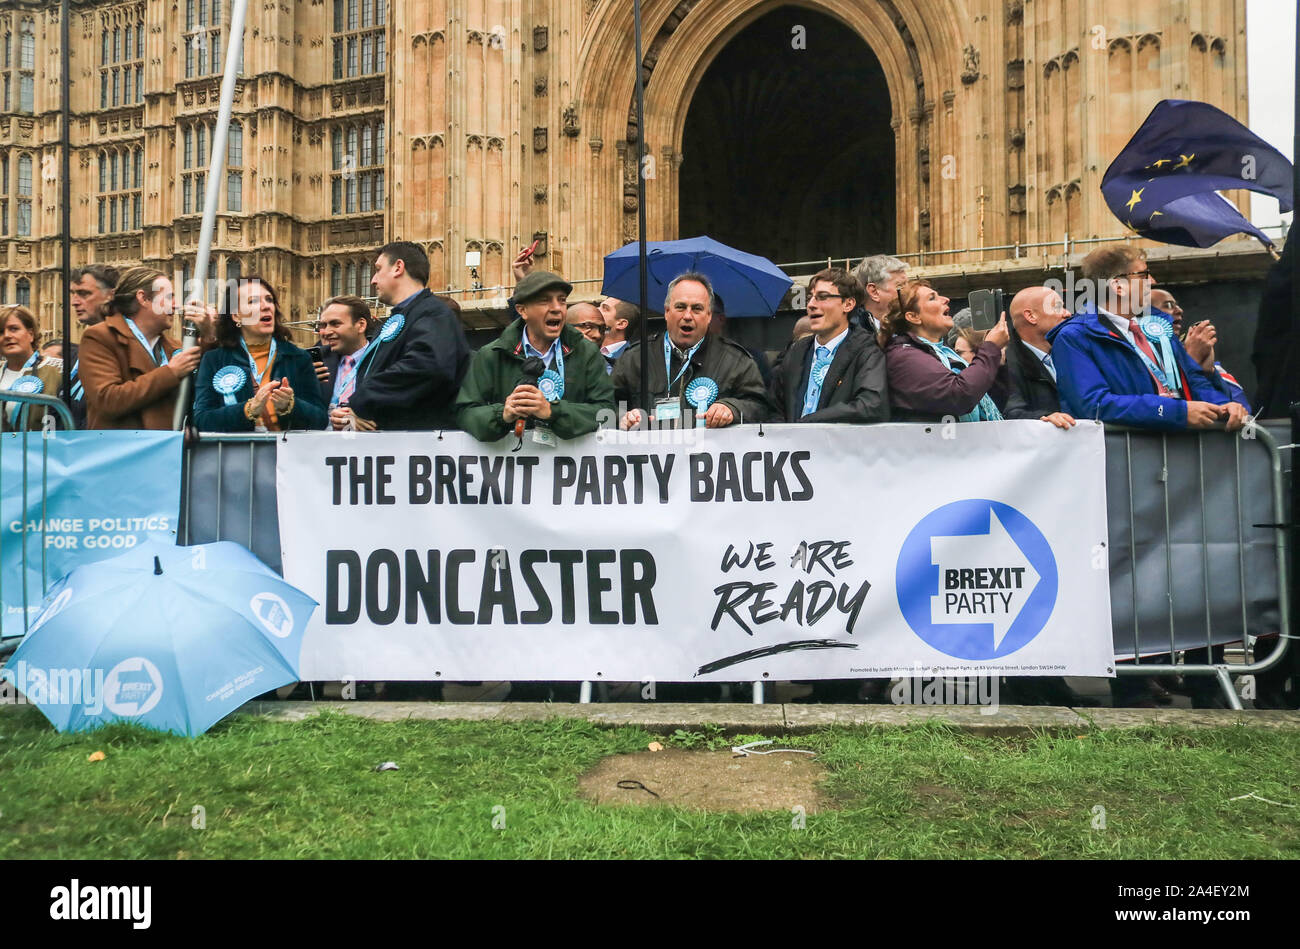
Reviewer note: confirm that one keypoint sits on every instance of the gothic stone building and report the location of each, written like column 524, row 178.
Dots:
column 826, row 128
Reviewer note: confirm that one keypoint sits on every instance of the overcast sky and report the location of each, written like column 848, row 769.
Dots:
column 1270, row 51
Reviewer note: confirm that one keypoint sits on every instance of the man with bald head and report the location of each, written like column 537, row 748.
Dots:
column 1162, row 299
column 586, row 318
column 1199, row 339
column 1034, row 312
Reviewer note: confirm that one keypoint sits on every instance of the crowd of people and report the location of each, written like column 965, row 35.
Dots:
column 873, row 346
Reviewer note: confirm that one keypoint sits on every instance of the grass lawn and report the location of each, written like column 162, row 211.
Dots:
column 307, row 789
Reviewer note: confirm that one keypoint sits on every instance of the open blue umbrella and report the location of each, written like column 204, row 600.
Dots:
column 175, row 638
column 750, row 285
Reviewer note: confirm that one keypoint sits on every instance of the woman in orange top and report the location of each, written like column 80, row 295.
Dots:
column 256, row 379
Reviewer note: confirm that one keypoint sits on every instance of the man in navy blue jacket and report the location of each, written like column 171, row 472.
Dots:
column 408, row 381
column 1109, row 369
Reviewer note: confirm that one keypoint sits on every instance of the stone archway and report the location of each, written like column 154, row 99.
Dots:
column 919, row 46
column 787, row 149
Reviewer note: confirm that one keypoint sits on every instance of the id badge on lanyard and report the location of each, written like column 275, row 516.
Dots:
column 667, row 410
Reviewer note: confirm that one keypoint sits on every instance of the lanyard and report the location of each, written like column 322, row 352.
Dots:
column 252, row 363
column 344, row 380
column 668, row 351
column 392, row 326
column 1157, row 373
column 145, row 343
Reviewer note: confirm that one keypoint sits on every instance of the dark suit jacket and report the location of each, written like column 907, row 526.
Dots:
column 854, row 389
column 740, row 386
column 76, row 406
column 331, row 361
column 409, row 383
column 1033, row 390
column 212, row 414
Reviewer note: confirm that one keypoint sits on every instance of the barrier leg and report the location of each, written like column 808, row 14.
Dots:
column 758, row 693
column 1230, row 693
column 584, row 693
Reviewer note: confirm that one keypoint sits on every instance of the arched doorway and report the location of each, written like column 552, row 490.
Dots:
column 787, row 149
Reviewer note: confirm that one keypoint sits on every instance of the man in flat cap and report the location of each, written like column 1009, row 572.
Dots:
column 567, row 388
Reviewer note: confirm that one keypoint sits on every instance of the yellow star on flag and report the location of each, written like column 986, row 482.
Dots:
column 1136, row 199
column 1163, row 161
column 1185, row 162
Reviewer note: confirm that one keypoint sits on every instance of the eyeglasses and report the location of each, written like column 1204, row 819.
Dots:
column 823, row 297
column 585, row 327
column 1144, row 274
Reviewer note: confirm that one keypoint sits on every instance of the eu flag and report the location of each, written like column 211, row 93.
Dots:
column 1163, row 184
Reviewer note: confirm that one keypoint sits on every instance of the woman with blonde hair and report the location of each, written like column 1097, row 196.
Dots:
column 928, row 380
column 24, row 370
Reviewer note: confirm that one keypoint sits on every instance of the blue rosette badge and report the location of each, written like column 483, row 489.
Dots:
column 819, row 372
column 701, row 393
column 392, row 326
column 1161, row 332
column 228, row 381
column 551, row 385
column 28, row 385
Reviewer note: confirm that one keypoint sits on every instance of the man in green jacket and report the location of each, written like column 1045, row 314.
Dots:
column 569, row 398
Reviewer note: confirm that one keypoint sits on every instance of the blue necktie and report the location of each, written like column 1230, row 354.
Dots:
column 816, row 377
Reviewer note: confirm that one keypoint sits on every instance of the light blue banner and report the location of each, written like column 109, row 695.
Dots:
column 70, row 498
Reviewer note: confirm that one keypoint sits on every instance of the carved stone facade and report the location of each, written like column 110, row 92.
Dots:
column 481, row 124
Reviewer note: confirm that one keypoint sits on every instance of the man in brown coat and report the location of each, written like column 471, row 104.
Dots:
column 130, row 367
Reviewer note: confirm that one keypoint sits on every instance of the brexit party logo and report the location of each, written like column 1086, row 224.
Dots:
column 273, row 613
column 133, row 687
column 976, row 579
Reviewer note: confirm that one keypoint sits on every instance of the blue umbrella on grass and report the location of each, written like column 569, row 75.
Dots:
column 174, row 638
column 751, row 285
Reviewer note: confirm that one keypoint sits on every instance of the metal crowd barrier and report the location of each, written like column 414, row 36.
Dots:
column 1198, row 546
column 1197, row 552
column 1199, row 549
column 9, row 637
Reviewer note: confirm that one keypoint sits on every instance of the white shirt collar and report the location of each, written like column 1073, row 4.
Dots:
column 613, row 348
column 1044, row 357
column 833, row 344
column 1119, row 322
column 547, row 356
column 1040, row 353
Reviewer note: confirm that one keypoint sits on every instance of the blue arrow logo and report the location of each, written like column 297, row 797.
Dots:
column 976, row 579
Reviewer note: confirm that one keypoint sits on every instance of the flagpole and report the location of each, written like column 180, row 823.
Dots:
column 65, row 191
column 640, row 214
column 1295, row 184
column 238, row 11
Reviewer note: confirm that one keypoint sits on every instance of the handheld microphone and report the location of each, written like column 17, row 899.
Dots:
column 189, row 339
column 531, row 372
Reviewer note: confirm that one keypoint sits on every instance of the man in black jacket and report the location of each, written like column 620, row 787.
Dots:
column 1034, row 312
column 408, row 380
column 687, row 354
column 838, row 373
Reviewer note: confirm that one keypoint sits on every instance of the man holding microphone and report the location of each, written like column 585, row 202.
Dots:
column 541, row 374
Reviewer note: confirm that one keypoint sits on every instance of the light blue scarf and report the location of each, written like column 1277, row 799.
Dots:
column 985, row 411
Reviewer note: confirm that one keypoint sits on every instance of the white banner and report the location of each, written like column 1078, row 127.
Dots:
column 797, row 552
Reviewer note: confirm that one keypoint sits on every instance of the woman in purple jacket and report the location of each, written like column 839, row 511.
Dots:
column 928, row 381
